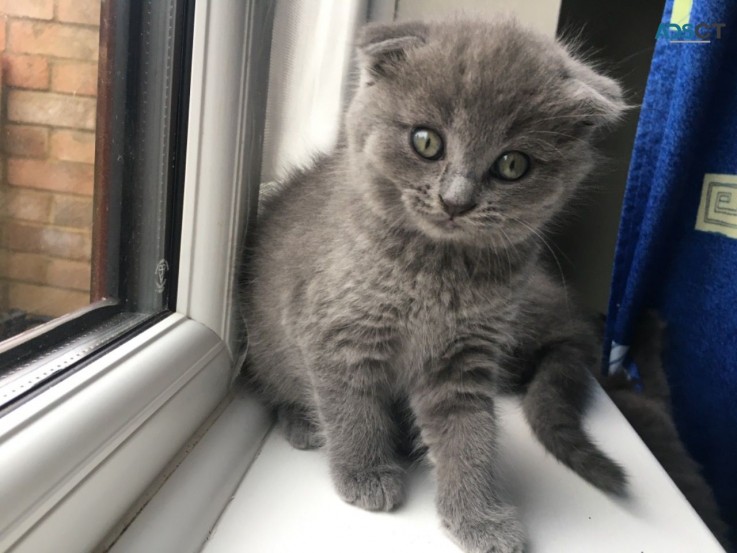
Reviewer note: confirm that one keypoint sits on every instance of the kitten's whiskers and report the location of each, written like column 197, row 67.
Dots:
column 542, row 239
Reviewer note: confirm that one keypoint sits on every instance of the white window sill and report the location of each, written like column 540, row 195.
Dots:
column 286, row 501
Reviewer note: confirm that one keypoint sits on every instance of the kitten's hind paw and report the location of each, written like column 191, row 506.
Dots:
column 498, row 532
column 373, row 489
column 299, row 429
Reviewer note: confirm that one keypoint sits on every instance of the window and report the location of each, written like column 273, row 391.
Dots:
column 94, row 139
column 49, row 85
column 115, row 390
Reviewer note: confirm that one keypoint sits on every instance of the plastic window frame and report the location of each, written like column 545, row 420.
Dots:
column 80, row 456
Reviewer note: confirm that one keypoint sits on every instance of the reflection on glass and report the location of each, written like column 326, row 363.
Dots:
column 47, row 133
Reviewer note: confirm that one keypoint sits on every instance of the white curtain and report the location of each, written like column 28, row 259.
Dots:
column 311, row 57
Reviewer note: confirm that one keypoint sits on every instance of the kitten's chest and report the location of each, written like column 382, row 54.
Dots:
column 423, row 304
column 439, row 306
column 434, row 296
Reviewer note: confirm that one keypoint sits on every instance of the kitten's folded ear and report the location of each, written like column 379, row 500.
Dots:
column 599, row 99
column 382, row 46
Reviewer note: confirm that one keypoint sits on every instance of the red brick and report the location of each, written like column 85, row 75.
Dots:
column 66, row 243
column 26, row 71
column 37, row 9
column 26, row 141
column 4, row 267
column 20, row 236
column 74, row 77
column 44, row 300
column 65, row 273
column 47, row 108
column 32, row 238
column 26, row 205
column 61, row 176
column 43, row 269
column 3, row 22
column 26, row 267
column 53, row 39
column 86, row 12
column 3, row 292
column 72, row 211
column 73, row 146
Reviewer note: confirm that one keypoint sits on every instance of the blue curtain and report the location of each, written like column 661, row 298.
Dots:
column 677, row 244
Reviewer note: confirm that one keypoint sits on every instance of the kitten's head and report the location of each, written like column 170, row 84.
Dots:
column 473, row 132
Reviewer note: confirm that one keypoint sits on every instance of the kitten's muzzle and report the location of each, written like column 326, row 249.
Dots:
column 456, row 209
column 458, row 196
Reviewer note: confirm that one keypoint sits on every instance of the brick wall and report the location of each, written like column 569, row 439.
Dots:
column 49, row 78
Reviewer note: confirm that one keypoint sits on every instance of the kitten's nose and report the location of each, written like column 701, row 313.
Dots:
column 454, row 206
column 458, row 195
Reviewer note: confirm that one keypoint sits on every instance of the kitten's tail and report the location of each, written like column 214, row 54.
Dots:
column 554, row 406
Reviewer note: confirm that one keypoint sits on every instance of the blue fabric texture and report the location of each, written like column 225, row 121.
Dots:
column 687, row 128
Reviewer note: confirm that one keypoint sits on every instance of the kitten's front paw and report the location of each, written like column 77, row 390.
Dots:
column 496, row 532
column 373, row 489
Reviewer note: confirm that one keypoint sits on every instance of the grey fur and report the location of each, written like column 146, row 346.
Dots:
column 370, row 311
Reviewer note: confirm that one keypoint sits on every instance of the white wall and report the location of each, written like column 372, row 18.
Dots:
column 540, row 14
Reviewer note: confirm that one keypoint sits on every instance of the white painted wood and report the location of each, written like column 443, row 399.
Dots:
column 286, row 503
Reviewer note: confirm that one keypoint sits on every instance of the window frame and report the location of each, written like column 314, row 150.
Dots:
column 66, row 452
column 62, row 468
column 123, row 303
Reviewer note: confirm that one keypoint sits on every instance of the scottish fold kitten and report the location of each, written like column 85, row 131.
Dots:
column 397, row 282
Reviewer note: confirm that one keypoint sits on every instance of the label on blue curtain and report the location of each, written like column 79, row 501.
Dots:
column 681, row 13
column 718, row 207
column 616, row 357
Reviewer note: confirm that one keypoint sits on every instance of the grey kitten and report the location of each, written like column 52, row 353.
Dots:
column 397, row 282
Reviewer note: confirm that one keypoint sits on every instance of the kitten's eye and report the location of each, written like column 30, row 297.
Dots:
column 427, row 143
column 511, row 166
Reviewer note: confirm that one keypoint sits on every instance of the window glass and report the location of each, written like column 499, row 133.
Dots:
column 93, row 142
column 50, row 51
